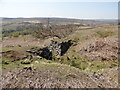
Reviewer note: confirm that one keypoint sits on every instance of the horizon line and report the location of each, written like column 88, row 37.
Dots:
column 65, row 18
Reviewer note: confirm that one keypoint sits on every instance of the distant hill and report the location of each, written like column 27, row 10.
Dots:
column 65, row 19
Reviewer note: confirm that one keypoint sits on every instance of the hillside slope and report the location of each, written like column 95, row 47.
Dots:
column 47, row 75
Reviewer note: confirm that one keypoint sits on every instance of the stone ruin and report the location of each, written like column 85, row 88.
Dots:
column 54, row 49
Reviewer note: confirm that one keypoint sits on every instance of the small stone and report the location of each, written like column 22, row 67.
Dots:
column 36, row 62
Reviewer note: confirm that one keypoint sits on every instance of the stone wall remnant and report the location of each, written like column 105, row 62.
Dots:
column 54, row 49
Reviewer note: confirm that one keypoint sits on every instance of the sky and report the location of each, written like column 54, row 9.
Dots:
column 73, row 9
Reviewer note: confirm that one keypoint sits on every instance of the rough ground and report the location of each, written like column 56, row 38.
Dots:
column 108, row 77
column 100, row 49
column 42, row 74
column 47, row 76
column 57, row 76
column 23, row 41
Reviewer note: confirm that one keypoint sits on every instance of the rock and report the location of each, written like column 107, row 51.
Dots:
column 68, row 58
column 19, row 46
column 5, row 62
column 26, row 61
column 53, row 50
column 36, row 62
column 27, row 68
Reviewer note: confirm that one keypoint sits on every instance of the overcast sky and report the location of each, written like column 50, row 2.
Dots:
column 81, row 10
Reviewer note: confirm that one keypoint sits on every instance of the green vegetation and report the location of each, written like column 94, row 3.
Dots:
column 103, row 34
column 7, row 63
column 16, row 34
column 38, row 30
column 75, row 61
column 96, row 66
